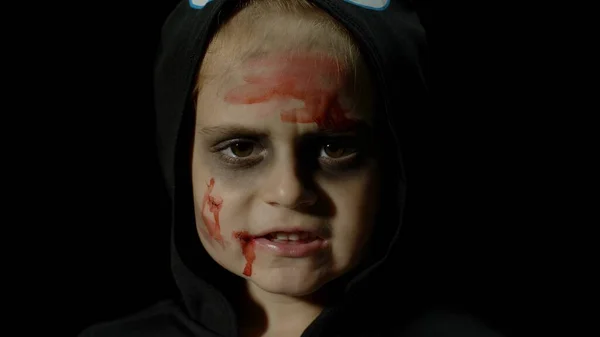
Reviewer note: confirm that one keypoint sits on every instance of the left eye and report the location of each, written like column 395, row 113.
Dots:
column 335, row 151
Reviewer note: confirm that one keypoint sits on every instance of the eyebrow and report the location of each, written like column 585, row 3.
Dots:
column 360, row 128
column 226, row 130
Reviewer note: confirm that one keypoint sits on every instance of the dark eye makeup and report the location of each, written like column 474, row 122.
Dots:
column 330, row 153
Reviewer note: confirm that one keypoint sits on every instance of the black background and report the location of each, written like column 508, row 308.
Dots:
column 471, row 204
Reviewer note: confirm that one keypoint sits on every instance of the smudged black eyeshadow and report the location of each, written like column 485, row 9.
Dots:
column 356, row 143
column 238, row 162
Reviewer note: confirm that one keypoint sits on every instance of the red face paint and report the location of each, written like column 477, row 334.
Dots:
column 314, row 79
column 247, row 244
column 214, row 206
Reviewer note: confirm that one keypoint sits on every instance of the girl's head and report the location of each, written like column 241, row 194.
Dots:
column 284, row 175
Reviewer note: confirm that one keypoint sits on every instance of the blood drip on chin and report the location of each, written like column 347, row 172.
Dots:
column 247, row 244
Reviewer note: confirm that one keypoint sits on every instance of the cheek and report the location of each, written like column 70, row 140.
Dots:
column 208, row 204
column 220, row 212
column 356, row 202
column 353, row 224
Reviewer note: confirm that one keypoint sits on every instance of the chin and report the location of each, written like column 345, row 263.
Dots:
column 289, row 281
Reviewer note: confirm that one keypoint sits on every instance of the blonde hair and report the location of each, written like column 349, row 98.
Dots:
column 263, row 26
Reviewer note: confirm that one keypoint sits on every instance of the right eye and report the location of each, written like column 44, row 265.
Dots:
column 241, row 152
column 240, row 149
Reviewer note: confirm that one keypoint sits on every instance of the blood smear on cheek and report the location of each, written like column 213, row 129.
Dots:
column 214, row 206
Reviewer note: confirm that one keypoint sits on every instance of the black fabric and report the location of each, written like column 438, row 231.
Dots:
column 376, row 300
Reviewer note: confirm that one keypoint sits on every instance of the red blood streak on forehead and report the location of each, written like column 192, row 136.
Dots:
column 313, row 78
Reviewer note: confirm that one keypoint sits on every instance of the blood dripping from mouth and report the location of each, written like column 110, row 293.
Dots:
column 214, row 206
column 313, row 79
column 247, row 244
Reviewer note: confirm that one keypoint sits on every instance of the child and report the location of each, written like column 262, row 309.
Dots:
column 277, row 123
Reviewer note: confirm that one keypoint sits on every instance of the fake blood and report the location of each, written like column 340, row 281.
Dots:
column 214, row 206
column 247, row 245
column 314, row 79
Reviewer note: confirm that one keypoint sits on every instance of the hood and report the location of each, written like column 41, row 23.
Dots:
column 393, row 44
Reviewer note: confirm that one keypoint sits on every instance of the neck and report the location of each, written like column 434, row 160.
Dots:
column 264, row 314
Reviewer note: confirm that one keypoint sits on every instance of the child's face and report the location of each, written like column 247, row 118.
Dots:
column 285, row 187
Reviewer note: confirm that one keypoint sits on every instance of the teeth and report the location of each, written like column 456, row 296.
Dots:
column 279, row 236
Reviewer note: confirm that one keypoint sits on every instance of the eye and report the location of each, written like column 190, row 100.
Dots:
column 241, row 149
column 335, row 151
column 240, row 152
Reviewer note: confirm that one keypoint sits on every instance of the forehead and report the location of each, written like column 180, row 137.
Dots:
column 307, row 90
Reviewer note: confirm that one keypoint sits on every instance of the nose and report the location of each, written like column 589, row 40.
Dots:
column 285, row 188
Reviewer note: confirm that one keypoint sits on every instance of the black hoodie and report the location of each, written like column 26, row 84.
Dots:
column 392, row 41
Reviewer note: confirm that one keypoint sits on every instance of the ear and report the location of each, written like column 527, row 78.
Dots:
column 199, row 4
column 377, row 5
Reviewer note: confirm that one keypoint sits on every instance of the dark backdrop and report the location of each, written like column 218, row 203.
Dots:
column 468, row 187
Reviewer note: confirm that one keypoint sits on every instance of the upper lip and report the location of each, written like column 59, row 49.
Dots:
column 312, row 231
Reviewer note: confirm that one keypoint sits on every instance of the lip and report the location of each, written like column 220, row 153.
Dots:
column 289, row 231
column 288, row 249
column 295, row 249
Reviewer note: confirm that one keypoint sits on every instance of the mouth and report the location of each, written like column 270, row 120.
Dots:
column 292, row 243
column 299, row 237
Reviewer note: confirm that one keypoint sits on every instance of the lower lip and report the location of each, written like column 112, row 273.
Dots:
column 286, row 249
